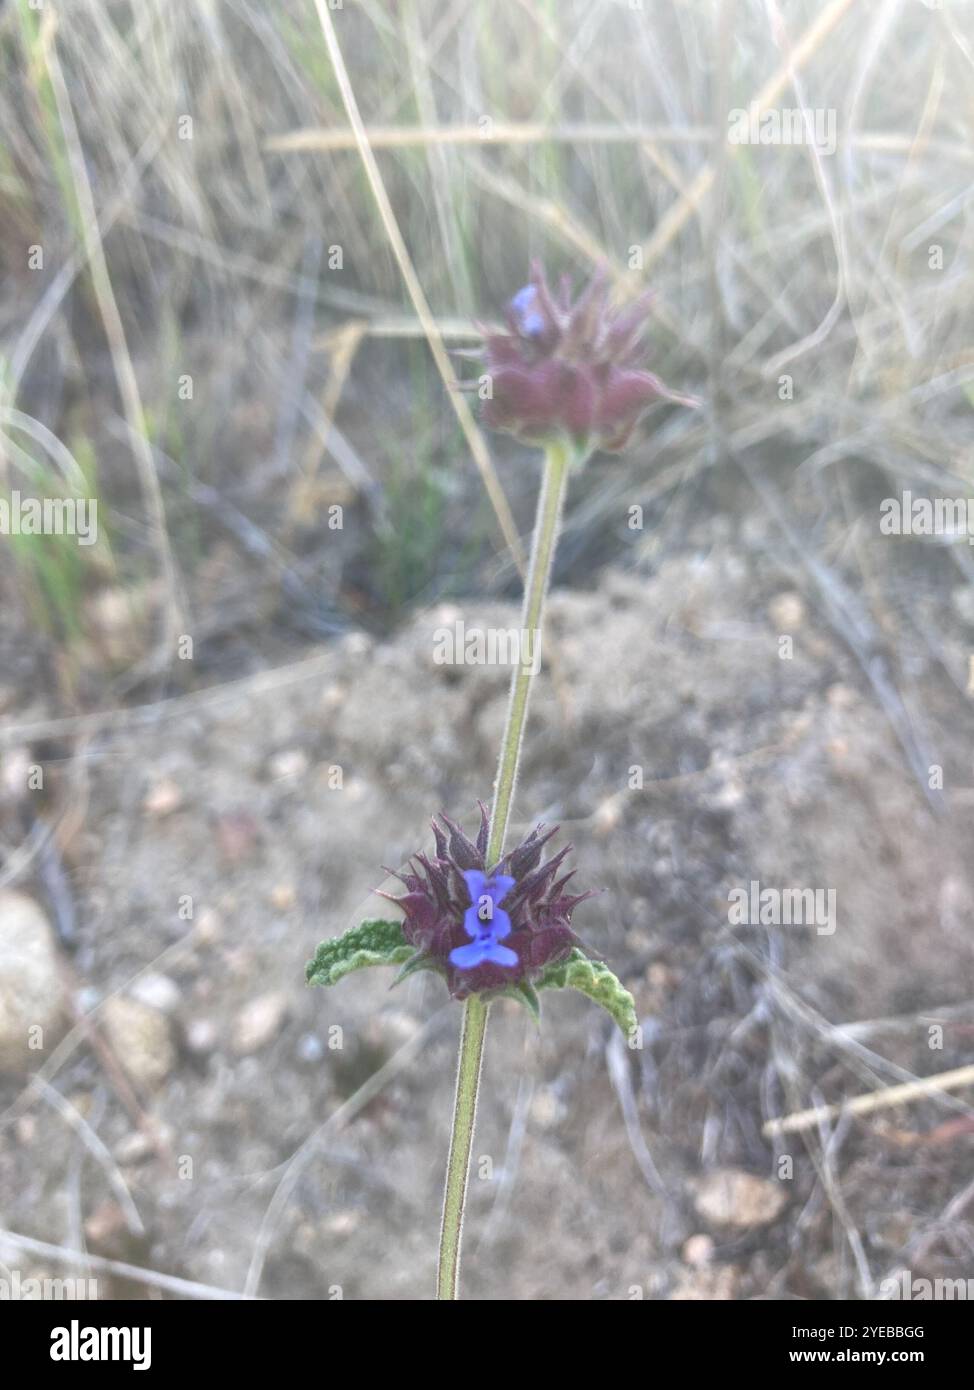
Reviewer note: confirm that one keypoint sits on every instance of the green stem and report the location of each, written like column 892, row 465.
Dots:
column 547, row 524
column 458, row 1163
column 546, row 527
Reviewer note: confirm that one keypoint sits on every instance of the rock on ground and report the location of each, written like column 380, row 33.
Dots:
column 31, row 988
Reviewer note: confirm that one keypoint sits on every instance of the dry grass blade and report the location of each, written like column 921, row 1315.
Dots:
column 151, row 1278
column 924, row 1088
column 468, row 424
column 684, row 208
column 497, row 133
column 121, row 357
column 315, row 140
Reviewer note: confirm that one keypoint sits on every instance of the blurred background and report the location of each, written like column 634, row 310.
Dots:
column 241, row 244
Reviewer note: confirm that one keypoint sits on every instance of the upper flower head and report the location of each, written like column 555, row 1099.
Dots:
column 454, row 918
column 570, row 370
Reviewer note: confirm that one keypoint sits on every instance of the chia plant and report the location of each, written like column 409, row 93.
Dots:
column 567, row 377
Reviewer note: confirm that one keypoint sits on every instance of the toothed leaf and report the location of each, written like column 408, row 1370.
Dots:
column 596, row 980
column 372, row 942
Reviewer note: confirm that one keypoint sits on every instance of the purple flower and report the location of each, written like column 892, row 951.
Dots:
column 485, row 922
column 454, row 919
column 571, row 369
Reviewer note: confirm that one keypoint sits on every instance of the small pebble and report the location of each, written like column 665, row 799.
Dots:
column 141, row 1039
column 733, row 1198
column 310, row 1048
column 290, row 765
column 698, row 1250
column 787, row 612
column 259, row 1022
column 283, row 897
column 209, row 927
column 158, row 992
column 201, row 1036
column 162, row 799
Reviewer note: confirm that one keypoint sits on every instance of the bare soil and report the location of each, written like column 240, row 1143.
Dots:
column 589, row 1157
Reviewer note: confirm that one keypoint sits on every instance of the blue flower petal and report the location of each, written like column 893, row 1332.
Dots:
column 499, row 887
column 485, row 934
column 500, row 955
column 525, row 306
column 472, row 924
column 501, row 925
column 466, row 957
column 475, row 880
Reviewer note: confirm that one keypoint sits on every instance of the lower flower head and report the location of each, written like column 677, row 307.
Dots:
column 454, row 917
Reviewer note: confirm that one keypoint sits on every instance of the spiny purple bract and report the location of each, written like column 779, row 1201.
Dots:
column 454, row 919
column 571, row 370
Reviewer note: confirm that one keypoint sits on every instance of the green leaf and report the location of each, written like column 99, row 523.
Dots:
column 526, row 995
column 372, row 942
column 596, row 980
column 418, row 960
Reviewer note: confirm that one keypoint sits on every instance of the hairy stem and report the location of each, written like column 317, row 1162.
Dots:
column 546, row 527
column 458, row 1163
